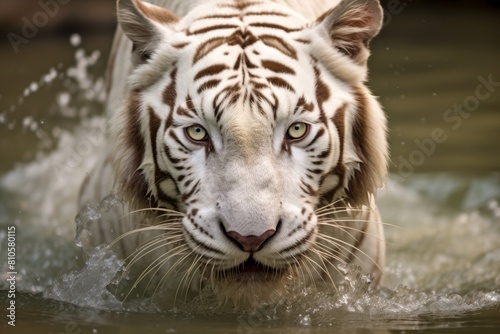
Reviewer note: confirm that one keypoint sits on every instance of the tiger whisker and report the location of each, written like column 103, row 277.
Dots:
column 334, row 254
column 343, row 228
column 361, row 221
column 176, row 264
column 334, row 212
column 335, row 241
column 193, row 273
column 324, row 267
column 202, row 275
column 139, row 230
column 312, row 262
column 157, row 267
column 139, row 253
column 170, row 212
column 163, row 257
column 330, row 205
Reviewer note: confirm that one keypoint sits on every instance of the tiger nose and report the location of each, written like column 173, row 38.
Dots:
column 251, row 243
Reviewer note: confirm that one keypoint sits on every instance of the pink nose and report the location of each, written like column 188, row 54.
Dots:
column 251, row 243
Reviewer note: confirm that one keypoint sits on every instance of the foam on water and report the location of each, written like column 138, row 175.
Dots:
column 443, row 254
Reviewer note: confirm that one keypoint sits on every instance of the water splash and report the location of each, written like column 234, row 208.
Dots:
column 36, row 196
column 93, row 213
column 87, row 287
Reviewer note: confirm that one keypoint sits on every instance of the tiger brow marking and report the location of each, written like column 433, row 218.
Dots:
column 279, row 44
column 184, row 112
column 277, row 67
column 241, row 5
column 263, row 13
column 218, row 16
column 180, row 45
column 211, row 70
column 278, row 82
column 212, row 28
column 303, row 106
column 303, row 41
column 190, row 105
column 207, row 47
column 208, row 85
column 273, row 26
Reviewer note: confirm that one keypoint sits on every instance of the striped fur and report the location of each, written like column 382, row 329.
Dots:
column 245, row 71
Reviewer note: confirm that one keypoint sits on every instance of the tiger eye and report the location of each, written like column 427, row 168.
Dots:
column 297, row 131
column 197, row 133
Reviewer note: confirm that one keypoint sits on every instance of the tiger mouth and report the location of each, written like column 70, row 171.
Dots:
column 252, row 267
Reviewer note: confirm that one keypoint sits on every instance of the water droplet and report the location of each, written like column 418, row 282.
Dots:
column 34, row 87
column 63, row 99
column 75, row 40
column 305, row 320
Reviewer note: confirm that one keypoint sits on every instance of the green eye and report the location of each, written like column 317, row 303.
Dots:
column 197, row 133
column 297, row 131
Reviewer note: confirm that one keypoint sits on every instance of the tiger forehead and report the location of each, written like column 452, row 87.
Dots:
column 242, row 24
column 236, row 13
column 244, row 49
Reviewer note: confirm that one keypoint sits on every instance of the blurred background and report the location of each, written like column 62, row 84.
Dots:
column 427, row 59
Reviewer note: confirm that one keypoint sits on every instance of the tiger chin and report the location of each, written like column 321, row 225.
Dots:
column 245, row 144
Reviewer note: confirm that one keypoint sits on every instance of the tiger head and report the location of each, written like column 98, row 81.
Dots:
column 246, row 117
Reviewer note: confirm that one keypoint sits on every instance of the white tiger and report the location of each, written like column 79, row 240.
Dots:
column 245, row 144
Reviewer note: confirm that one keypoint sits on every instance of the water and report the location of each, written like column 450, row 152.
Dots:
column 443, row 219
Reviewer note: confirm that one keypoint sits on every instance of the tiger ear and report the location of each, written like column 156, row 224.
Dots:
column 142, row 23
column 351, row 25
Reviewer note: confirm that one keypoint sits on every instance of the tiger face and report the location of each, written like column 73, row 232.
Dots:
column 247, row 118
